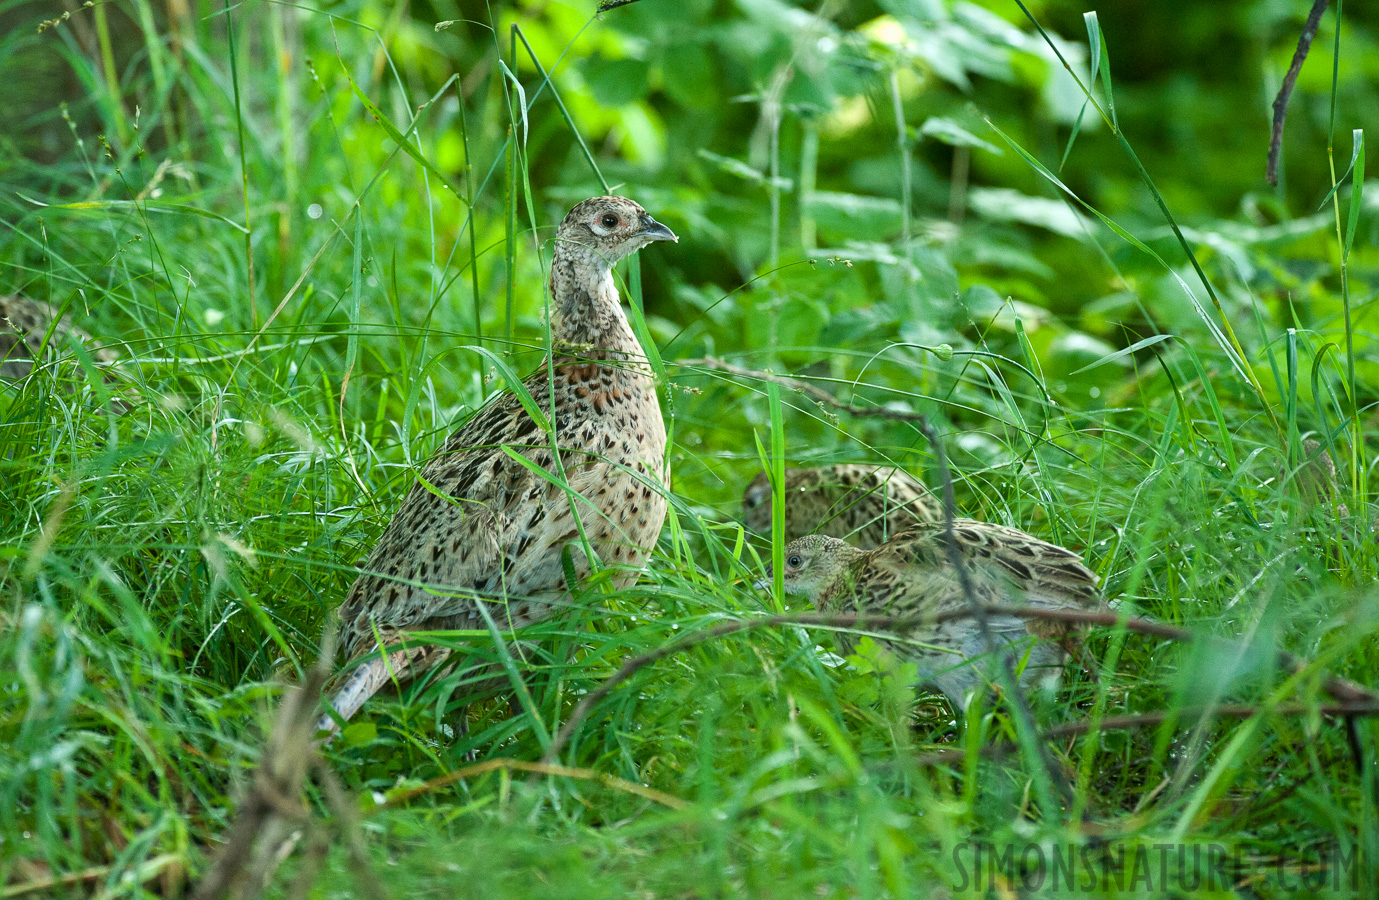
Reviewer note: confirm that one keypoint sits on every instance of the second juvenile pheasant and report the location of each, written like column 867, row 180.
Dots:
column 867, row 505
column 911, row 576
column 23, row 325
column 479, row 526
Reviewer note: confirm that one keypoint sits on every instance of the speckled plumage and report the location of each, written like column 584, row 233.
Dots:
column 23, row 325
column 866, row 505
column 1316, row 478
column 911, row 575
column 479, row 523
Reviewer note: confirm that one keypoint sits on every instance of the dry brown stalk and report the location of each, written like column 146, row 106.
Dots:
column 538, row 768
column 1285, row 91
column 1132, row 721
column 272, row 818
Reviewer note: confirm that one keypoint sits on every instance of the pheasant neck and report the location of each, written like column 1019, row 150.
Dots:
column 586, row 308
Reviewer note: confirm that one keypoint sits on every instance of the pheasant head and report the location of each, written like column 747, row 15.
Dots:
column 814, row 563
column 604, row 230
column 594, row 237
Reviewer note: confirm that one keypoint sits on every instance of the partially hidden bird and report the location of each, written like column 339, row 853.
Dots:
column 866, row 505
column 912, row 575
column 1316, row 478
column 25, row 323
column 480, row 525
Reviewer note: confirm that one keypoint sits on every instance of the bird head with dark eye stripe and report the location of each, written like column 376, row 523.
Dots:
column 611, row 228
column 811, row 564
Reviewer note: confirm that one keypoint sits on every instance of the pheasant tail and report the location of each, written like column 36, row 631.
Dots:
column 369, row 678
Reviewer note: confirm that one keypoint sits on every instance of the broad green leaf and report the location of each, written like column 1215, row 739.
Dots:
column 1104, row 60
column 521, row 98
column 1356, row 148
column 742, row 170
column 1094, row 45
column 1008, row 205
column 1089, row 19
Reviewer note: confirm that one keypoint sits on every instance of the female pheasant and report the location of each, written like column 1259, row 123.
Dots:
column 867, row 505
column 481, row 527
column 911, row 575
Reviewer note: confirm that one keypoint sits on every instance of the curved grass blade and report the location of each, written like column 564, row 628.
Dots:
column 182, row 208
column 518, row 388
column 1121, row 354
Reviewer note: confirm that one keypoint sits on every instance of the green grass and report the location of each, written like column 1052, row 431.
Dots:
column 174, row 540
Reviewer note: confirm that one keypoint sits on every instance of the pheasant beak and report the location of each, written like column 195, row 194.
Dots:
column 762, row 584
column 655, row 231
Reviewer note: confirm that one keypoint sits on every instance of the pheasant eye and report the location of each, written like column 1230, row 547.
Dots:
column 795, row 561
column 609, row 221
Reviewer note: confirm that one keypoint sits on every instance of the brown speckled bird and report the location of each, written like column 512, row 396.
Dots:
column 1316, row 478
column 911, row 575
column 480, row 524
column 866, row 505
column 23, row 325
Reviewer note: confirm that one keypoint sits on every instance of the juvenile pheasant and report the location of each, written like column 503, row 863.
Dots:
column 23, row 325
column 867, row 505
column 911, row 575
column 1316, row 478
column 480, row 527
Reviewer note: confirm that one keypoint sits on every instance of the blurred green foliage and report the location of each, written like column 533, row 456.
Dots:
column 294, row 220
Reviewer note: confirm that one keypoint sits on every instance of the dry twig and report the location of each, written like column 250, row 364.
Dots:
column 272, row 810
column 1133, row 721
column 814, row 392
column 1285, row 90
column 541, row 768
column 1010, row 684
column 272, row 818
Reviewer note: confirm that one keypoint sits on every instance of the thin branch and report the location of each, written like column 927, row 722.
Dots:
column 342, row 804
column 1133, row 721
column 1285, row 90
column 804, row 387
column 1009, row 682
column 937, row 758
column 144, row 873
